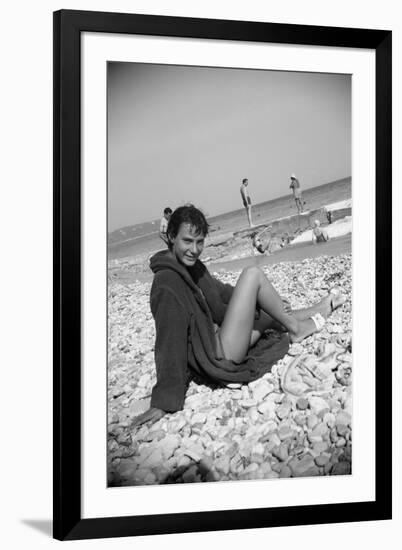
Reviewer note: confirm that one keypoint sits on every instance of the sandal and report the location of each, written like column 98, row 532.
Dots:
column 336, row 294
column 318, row 320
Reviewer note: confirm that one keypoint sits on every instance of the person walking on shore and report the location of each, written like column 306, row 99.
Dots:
column 297, row 193
column 246, row 200
column 164, row 224
column 208, row 328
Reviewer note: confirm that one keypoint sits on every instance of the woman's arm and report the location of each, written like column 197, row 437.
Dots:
column 171, row 325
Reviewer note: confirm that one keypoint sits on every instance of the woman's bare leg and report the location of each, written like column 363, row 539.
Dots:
column 239, row 329
column 236, row 330
column 328, row 304
column 325, row 307
column 263, row 323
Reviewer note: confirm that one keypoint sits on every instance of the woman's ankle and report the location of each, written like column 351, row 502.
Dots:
column 293, row 325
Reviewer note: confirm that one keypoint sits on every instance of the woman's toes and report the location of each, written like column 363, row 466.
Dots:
column 337, row 299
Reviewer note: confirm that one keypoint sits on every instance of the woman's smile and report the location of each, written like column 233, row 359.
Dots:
column 188, row 245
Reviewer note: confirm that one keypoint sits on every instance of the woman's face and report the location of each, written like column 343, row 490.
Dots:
column 187, row 245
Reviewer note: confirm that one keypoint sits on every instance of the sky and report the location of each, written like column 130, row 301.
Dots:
column 179, row 134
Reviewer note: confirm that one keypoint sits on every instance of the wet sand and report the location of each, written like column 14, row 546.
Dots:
column 334, row 247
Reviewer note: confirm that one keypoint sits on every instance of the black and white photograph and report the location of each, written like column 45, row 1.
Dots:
column 201, row 341
column 229, row 219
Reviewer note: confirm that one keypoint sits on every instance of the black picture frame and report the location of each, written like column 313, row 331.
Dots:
column 68, row 26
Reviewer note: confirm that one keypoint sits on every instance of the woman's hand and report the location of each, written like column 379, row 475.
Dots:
column 150, row 416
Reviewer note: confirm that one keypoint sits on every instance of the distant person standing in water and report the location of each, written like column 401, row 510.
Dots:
column 164, row 224
column 297, row 193
column 246, row 200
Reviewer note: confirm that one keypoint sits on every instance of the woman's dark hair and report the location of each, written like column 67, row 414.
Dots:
column 187, row 214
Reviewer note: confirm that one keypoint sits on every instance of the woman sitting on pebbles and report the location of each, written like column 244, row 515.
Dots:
column 206, row 327
column 319, row 235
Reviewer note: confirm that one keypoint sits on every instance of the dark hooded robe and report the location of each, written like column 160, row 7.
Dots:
column 188, row 305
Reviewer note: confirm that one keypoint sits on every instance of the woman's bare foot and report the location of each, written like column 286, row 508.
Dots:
column 150, row 416
column 330, row 303
column 306, row 327
column 337, row 299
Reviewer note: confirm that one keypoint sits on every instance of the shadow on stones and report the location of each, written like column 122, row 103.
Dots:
column 194, row 472
column 200, row 381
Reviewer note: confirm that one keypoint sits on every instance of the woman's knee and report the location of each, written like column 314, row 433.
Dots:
column 253, row 273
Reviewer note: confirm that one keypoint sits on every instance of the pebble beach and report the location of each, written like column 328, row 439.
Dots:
column 295, row 421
